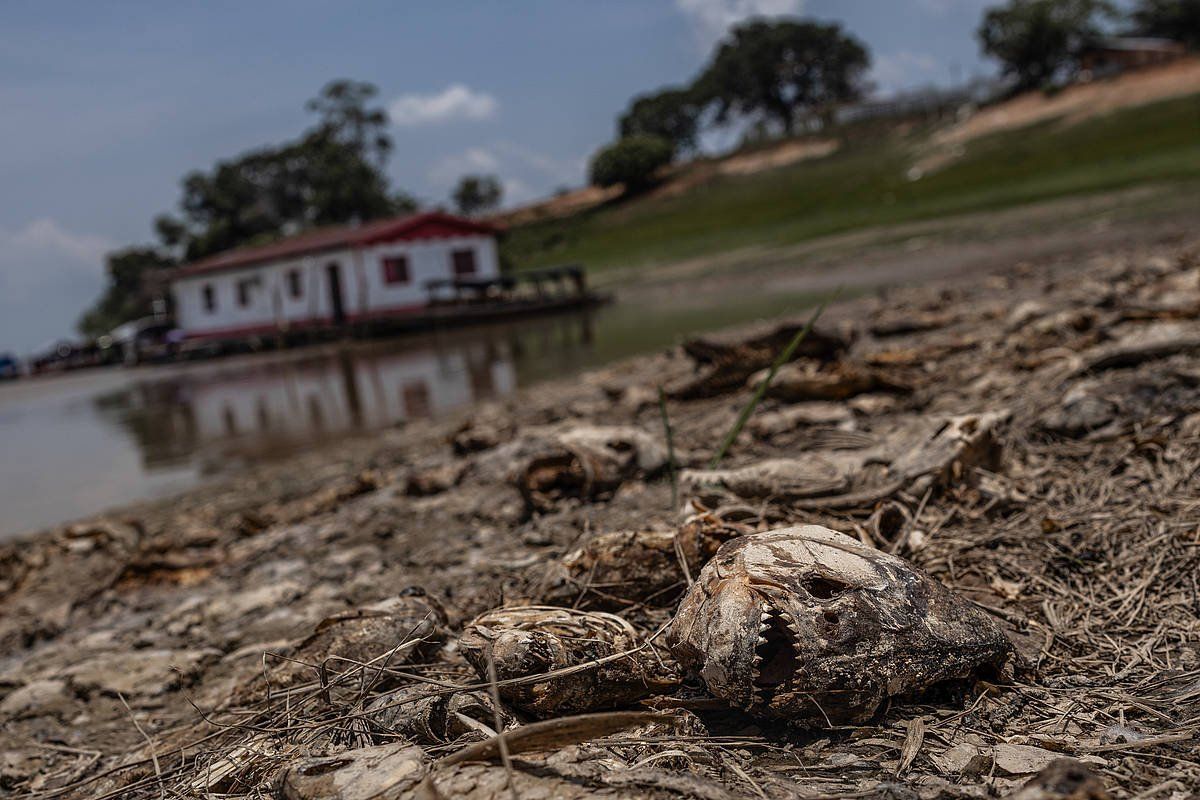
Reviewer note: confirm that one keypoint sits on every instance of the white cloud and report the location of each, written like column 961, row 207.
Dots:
column 455, row 102
column 711, row 18
column 902, row 70
column 525, row 174
column 48, row 274
column 446, row 171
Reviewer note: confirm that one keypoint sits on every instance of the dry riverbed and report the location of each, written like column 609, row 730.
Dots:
column 341, row 625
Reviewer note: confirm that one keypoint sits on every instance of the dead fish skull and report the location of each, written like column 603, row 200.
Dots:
column 809, row 625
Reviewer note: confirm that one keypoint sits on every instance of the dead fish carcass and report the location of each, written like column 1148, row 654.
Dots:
column 524, row 642
column 810, row 475
column 811, row 626
column 612, row 571
column 803, row 381
column 590, row 462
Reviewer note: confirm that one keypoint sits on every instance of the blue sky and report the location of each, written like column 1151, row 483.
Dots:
column 107, row 105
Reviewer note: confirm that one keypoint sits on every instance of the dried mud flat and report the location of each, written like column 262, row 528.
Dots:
column 1014, row 466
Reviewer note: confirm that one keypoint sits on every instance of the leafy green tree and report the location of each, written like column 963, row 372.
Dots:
column 1039, row 42
column 633, row 161
column 476, row 193
column 783, row 69
column 346, row 116
column 1171, row 19
column 332, row 174
column 128, row 295
column 672, row 114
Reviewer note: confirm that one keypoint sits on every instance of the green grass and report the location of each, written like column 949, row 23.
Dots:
column 865, row 185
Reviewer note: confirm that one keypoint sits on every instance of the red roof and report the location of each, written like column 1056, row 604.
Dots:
column 427, row 225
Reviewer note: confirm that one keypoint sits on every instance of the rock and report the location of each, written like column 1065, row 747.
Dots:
column 809, row 625
column 527, row 641
column 386, row 772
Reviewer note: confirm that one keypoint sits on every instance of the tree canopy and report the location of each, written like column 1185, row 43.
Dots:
column 633, row 161
column 783, row 69
column 1171, row 19
column 332, row 174
column 1038, row 42
column 476, row 193
column 672, row 114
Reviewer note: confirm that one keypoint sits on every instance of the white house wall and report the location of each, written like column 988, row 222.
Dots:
column 365, row 293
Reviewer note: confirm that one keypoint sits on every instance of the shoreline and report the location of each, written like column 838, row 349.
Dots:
column 1093, row 430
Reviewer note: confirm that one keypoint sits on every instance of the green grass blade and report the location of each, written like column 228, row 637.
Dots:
column 784, row 356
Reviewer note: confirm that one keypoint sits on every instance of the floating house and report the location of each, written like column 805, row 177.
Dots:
column 328, row 278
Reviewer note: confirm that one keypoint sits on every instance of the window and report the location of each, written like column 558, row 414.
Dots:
column 295, row 285
column 210, row 298
column 395, row 270
column 464, row 262
column 244, row 287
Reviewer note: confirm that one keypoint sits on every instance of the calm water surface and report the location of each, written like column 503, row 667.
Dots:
column 79, row 443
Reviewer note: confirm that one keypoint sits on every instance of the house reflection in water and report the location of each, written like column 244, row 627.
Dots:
column 213, row 414
column 262, row 405
column 348, row 390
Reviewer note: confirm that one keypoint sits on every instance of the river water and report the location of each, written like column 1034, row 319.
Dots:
column 79, row 443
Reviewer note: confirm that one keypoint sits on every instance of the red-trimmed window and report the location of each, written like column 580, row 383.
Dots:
column 464, row 262
column 395, row 270
column 210, row 298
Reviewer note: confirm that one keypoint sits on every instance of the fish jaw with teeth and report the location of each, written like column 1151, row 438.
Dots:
column 809, row 625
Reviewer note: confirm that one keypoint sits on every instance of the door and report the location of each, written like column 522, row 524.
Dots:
column 337, row 309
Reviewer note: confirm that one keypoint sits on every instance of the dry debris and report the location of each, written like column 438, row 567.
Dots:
column 1010, row 608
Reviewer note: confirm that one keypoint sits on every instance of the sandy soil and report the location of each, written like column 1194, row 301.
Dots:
column 217, row 644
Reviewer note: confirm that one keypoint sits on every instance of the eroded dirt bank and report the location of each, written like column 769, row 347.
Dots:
column 1031, row 441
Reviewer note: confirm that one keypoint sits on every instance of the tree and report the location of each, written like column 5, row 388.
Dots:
column 672, row 114
column 476, row 193
column 1039, row 41
column 783, row 69
column 633, row 161
column 332, row 174
column 345, row 116
column 1171, row 19
column 127, row 296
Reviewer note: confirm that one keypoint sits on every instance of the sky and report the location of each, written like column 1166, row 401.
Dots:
column 107, row 105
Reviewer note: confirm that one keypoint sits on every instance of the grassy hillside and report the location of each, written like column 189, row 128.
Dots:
column 866, row 184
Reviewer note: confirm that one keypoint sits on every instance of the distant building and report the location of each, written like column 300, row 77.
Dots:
column 1124, row 54
column 330, row 276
